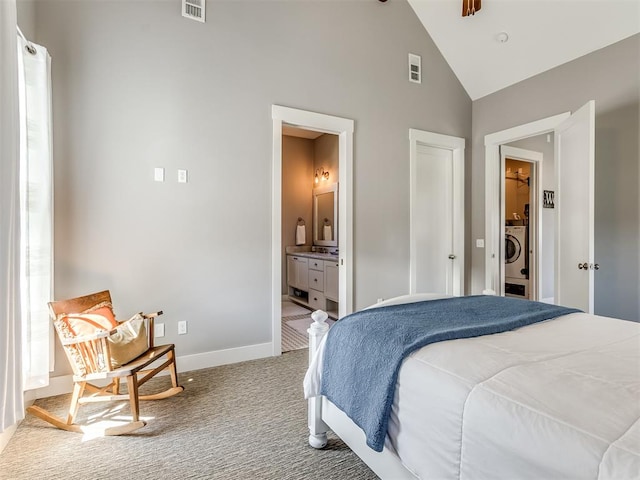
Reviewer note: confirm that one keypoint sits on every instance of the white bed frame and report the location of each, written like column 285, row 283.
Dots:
column 324, row 416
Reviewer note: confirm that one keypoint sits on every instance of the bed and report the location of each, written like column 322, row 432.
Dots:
column 558, row 398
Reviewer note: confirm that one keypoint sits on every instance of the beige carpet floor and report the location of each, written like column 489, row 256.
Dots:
column 241, row 421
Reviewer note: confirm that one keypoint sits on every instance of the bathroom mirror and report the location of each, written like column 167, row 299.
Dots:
column 325, row 216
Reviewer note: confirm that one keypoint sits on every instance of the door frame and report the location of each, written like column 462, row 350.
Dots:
column 494, row 234
column 535, row 228
column 343, row 128
column 456, row 145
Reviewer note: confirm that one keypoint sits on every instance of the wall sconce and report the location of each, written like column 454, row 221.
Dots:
column 321, row 174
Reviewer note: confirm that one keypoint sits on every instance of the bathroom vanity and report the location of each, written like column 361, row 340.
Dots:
column 312, row 280
column 312, row 272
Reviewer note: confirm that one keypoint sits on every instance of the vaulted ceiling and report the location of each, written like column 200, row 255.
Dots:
column 541, row 34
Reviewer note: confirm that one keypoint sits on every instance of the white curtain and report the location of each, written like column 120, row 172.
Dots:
column 11, row 397
column 36, row 221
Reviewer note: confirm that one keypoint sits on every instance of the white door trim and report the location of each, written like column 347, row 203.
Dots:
column 344, row 128
column 456, row 145
column 494, row 239
column 535, row 266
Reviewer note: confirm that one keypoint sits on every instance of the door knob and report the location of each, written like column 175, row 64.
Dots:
column 452, row 256
column 587, row 266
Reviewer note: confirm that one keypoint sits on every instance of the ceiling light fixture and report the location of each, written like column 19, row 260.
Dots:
column 470, row 7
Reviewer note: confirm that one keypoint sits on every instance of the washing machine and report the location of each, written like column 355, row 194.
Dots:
column 515, row 258
column 515, row 252
column 516, row 287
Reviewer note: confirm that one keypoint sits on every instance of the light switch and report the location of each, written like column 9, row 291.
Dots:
column 182, row 176
column 480, row 242
column 158, row 174
column 182, row 327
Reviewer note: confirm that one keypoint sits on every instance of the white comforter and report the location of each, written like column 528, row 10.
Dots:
column 555, row 400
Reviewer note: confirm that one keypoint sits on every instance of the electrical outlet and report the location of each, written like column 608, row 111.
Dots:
column 182, row 327
column 182, row 176
column 158, row 330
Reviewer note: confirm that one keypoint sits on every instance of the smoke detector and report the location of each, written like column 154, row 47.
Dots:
column 502, row 37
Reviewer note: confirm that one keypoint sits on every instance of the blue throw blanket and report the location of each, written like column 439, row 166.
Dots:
column 364, row 350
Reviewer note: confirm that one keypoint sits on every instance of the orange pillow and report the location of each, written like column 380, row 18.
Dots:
column 105, row 309
column 89, row 322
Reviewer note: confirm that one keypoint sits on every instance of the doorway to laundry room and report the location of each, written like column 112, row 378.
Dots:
column 518, row 247
column 565, row 192
column 527, row 256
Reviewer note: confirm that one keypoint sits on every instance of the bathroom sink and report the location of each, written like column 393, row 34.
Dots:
column 318, row 255
column 325, row 255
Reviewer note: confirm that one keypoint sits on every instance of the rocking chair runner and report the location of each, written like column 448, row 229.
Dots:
column 95, row 355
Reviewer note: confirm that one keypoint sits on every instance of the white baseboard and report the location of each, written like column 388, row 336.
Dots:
column 199, row 361
column 57, row 386
column 64, row 383
column 6, row 436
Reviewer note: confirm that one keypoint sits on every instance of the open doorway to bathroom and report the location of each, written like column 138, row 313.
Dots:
column 320, row 279
column 310, row 169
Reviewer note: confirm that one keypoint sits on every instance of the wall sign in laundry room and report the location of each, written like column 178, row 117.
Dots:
column 547, row 199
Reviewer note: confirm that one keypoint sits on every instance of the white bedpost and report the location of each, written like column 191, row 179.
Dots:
column 317, row 428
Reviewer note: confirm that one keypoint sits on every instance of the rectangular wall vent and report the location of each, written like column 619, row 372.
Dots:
column 415, row 70
column 194, row 9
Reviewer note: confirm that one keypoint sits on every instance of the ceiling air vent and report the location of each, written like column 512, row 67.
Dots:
column 194, row 9
column 415, row 71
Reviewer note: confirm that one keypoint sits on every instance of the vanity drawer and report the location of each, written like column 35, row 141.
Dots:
column 316, row 280
column 315, row 264
column 316, row 300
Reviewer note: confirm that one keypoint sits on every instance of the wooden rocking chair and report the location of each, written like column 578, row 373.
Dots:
column 98, row 352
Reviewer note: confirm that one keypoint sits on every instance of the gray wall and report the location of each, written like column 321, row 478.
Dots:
column 297, row 197
column 611, row 77
column 137, row 86
column 27, row 19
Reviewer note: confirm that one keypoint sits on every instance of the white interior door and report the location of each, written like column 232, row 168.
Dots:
column 574, row 203
column 432, row 220
column 437, row 215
